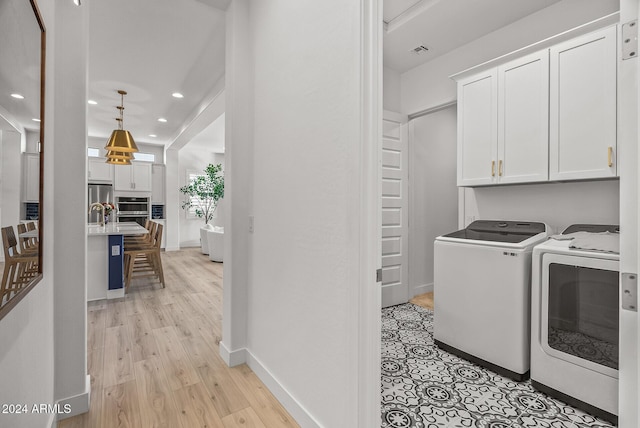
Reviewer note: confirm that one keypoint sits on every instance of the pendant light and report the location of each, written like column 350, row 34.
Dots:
column 120, row 147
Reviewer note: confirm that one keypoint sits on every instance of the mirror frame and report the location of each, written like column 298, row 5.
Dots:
column 4, row 310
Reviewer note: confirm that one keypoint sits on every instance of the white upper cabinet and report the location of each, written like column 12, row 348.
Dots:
column 550, row 115
column 133, row 178
column 98, row 171
column 477, row 129
column 523, row 120
column 583, row 107
column 503, row 118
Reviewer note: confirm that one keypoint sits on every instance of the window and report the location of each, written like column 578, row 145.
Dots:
column 144, row 157
column 191, row 213
column 93, row 153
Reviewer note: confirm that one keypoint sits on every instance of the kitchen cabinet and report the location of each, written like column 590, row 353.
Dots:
column 583, row 111
column 98, row 171
column 31, row 171
column 157, row 184
column 133, row 178
column 549, row 115
column 503, row 123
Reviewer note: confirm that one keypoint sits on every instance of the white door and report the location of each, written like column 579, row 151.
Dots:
column 628, row 101
column 395, row 213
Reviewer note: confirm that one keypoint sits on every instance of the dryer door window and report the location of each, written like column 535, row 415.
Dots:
column 579, row 311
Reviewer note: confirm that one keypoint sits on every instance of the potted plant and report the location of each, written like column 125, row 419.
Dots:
column 203, row 194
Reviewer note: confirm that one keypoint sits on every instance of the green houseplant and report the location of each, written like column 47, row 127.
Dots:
column 204, row 192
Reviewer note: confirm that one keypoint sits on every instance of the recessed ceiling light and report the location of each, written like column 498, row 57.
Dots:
column 92, row 102
column 35, row 120
column 76, row 2
column 152, row 135
column 18, row 96
column 162, row 119
column 177, row 95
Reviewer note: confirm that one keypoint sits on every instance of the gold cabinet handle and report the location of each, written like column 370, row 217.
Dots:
column 493, row 168
column 500, row 168
column 610, row 156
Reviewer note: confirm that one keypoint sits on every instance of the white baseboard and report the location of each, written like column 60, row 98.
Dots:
column 192, row 243
column 78, row 404
column 232, row 358
column 116, row 293
column 295, row 409
column 421, row 289
column 172, row 249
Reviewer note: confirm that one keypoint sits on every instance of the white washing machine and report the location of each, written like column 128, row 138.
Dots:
column 482, row 277
column 575, row 319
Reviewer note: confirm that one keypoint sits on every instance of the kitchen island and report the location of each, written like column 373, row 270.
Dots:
column 105, row 278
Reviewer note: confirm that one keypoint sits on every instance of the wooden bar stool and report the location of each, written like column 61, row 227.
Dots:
column 19, row 268
column 143, row 259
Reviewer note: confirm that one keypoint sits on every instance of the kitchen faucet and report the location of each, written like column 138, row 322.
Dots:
column 97, row 206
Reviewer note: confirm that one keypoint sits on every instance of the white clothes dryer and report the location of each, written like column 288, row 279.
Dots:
column 482, row 277
column 574, row 319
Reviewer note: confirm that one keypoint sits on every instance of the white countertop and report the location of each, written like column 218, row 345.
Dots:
column 129, row 228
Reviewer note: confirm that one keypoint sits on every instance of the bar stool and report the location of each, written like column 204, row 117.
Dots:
column 143, row 259
column 19, row 268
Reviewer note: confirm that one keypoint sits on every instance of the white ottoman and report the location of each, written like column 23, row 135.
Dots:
column 215, row 240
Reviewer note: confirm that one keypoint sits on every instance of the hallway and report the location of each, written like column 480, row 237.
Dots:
column 153, row 357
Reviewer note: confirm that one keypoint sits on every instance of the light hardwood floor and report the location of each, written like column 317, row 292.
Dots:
column 153, row 358
column 425, row 300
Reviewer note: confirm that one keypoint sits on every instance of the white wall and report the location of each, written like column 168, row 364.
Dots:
column 301, row 317
column 11, row 177
column 429, row 85
column 391, row 99
column 192, row 160
column 27, row 332
column 434, row 195
column 557, row 204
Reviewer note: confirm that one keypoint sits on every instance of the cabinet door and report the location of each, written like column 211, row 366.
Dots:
column 477, row 129
column 122, row 178
column 99, row 170
column 31, row 177
column 523, row 119
column 141, row 177
column 583, row 107
column 157, row 184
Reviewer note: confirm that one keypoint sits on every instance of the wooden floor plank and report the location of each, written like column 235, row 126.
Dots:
column 425, row 300
column 120, row 408
column 116, row 313
column 262, row 401
column 195, row 409
column 157, row 406
column 96, row 323
column 143, row 343
column 118, row 362
column 177, row 366
column 245, row 418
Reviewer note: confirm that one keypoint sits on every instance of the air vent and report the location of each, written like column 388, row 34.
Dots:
column 419, row 50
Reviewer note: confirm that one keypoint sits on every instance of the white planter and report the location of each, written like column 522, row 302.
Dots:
column 215, row 239
column 204, row 246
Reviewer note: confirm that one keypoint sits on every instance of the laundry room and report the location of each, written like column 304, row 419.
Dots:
column 549, row 166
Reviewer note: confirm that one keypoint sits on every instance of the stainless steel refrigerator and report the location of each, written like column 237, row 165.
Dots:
column 98, row 193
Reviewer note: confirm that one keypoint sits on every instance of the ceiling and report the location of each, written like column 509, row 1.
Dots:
column 19, row 66
column 444, row 25
column 151, row 49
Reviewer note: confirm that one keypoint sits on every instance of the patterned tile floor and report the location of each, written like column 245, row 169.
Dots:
column 426, row 387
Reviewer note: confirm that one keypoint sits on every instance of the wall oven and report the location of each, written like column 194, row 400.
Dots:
column 132, row 209
column 575, row 326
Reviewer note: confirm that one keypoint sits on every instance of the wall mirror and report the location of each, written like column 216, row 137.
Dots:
column 22, row 62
